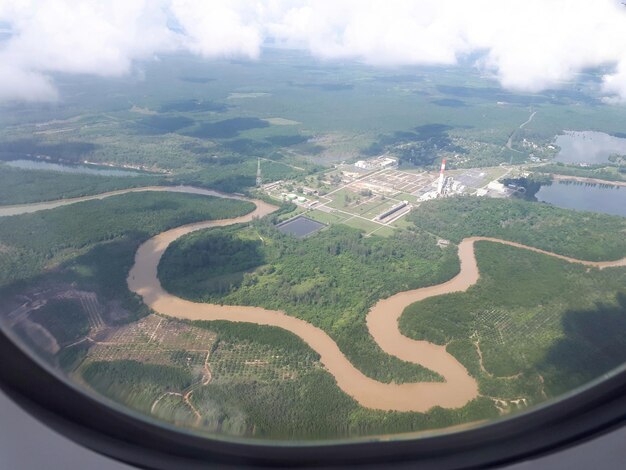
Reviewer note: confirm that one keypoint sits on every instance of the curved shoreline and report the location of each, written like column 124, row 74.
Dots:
column 18, row 209
column 585, row 179
column 382, row 320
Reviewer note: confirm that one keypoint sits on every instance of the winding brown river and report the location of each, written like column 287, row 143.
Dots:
column 382, row 320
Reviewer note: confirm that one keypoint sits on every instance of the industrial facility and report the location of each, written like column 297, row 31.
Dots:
column 373, row 195
column 393, row 210
column 378, row 163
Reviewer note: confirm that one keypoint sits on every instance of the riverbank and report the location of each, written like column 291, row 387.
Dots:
column 581, row 179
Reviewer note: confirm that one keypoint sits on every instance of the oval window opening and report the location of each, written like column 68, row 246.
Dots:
column 302, row 224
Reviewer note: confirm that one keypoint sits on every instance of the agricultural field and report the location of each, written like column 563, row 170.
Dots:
column 193, row 357
column 244, row 380
column 163, row 367
column 63, row 271
column 522, row 330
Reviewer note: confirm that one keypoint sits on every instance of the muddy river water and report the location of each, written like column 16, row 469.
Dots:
column 458, row 387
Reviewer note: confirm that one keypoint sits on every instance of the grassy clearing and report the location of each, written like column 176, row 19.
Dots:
column 361, row 224
column 327, row 218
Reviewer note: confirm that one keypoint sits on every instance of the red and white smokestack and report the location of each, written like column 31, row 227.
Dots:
column 440, row 183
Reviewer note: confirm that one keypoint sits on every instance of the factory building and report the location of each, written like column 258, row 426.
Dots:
column 378, row 163
column 392, row 210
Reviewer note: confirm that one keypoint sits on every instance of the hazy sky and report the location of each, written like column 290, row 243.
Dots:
column 528, row 45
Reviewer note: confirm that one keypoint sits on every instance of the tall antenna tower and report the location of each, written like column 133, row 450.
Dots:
column 259, row 178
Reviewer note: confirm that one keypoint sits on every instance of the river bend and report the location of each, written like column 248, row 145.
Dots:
column 458, row 387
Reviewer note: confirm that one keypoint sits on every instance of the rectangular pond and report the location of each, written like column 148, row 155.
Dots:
column 300, row 226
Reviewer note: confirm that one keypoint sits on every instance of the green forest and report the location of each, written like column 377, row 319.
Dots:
column 583, row 235
column 309, row 406
column 529, row 322
column 520, row 331
column 135, row 384
column 90, row 246
column 19, row 186
column 32, row 242
column 63, row 318
column 330, row 280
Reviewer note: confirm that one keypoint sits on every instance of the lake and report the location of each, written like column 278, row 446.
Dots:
column 588, row 147
column 585, row 197
column 84, row 169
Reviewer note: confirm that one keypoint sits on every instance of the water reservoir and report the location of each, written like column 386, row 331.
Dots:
column 300, row 226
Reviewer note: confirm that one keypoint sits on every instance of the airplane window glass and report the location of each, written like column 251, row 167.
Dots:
column 302, row 221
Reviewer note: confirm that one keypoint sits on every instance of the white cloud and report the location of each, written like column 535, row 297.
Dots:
column 20, row 85
column 615, row 85
column 218, row 28
column 93, row 37
column 537, row 44
column 527, row 44
column 379, row 32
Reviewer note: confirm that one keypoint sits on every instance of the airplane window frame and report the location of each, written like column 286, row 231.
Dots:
column 587, row 413
column 111, row 429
